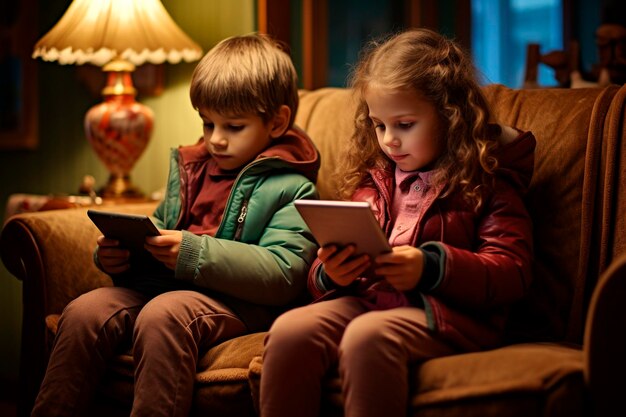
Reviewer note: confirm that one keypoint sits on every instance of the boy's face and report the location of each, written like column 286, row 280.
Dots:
column 234, row 141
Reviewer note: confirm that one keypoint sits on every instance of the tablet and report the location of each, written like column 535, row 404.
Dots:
column 129, row 229
column 343, row 223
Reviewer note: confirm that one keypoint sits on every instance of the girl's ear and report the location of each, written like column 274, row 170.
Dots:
column 280, row 122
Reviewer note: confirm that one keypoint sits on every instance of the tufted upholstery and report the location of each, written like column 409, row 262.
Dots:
column 556, row 362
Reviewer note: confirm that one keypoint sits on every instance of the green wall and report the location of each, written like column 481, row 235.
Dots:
column 64, row 156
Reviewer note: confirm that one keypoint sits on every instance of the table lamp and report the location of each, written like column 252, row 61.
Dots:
column 117, row 35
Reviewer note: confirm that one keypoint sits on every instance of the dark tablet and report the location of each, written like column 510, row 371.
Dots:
column 129, row 229
column 343, row 223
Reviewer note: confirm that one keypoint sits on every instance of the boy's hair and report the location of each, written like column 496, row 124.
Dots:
column 248, row 74
column 442, row 73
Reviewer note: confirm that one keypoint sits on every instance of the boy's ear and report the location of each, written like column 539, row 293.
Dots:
column 280, row 122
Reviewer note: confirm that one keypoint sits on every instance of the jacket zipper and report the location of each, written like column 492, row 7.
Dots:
column 183, row 195
column 241, row 219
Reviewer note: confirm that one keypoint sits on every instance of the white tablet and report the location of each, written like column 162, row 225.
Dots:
column 343, row 223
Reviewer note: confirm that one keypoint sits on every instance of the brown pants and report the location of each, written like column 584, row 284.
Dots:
column 167, row 333
column 371, row 348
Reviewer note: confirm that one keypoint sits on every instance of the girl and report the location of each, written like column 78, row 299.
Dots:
column 446, row 187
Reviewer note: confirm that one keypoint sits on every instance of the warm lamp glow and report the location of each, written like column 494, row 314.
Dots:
column 97, row 31
column 118, row 35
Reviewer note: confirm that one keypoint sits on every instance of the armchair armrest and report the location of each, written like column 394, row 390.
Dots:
column 605, row 341
column 51, row 253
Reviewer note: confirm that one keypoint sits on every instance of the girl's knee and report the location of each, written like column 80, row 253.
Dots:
column 367, row 333
column 295, row 329
column 286, row 325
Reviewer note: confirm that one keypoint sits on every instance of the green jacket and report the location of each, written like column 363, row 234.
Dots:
column 259, row 259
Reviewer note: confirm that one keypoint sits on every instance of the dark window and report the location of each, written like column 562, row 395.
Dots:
column 502, row 29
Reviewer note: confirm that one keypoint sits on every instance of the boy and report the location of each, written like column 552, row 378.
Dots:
column 232, row 254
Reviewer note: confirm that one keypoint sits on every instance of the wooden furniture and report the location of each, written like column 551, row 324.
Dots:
column 610, row 69
column 611, row 43
column 566, row 342
column 565, row 63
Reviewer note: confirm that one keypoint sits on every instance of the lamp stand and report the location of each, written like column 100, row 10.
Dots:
column 119, row 129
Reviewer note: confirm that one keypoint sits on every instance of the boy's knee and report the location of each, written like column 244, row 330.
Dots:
column 88, row 314
column 168, row 310
column 154, row 315
column 93, row 305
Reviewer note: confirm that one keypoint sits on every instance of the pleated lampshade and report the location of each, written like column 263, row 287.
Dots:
column 96, row 31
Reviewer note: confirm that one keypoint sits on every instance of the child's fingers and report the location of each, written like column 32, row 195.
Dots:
column 118, row 269
column 113, row 260
column 108, row 242
column 325, row 252
column 356, row 266
column 168, row 258
column 345, row 272
column 339, row 257
column 161, row 251
column 390, row 270
column 167, row 238
column 112, row 252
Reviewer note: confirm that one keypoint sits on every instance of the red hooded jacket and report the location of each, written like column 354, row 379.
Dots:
column 485, row 256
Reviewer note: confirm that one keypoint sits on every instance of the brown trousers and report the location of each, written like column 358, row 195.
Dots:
column 372, row 350
column 167, row 334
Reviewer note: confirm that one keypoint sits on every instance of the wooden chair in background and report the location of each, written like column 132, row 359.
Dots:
column 611, row 68
column 565, row 63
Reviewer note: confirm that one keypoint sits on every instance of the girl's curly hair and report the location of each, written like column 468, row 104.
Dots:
column 442, row 73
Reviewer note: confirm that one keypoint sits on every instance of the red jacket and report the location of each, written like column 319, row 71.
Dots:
column 485, row 256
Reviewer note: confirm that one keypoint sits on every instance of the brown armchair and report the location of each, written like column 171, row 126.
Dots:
column 566, row 354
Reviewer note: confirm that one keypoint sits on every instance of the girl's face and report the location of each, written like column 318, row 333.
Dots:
column 408, row 127
column 234, row 141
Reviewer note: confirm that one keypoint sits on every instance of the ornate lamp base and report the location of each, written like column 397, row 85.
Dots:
column 119, row 129
column 120, row 187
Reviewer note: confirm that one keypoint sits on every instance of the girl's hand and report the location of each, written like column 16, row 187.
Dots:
column 112, row 258
column 339, row 266
column 402, row 267
column 165, row 247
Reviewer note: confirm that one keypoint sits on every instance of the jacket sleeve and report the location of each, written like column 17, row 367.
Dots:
column 317, row 283
column 272, row 271
column 498, row 271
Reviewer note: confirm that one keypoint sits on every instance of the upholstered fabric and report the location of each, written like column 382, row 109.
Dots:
column 577, row 200
column 520, row 379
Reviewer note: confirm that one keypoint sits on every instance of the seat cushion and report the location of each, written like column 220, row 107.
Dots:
column 533, row 379
column 517, row 380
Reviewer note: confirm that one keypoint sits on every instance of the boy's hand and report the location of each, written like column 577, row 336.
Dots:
column 339, row 266
column 165, row 247
column 112, row 258
column 402, row 267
